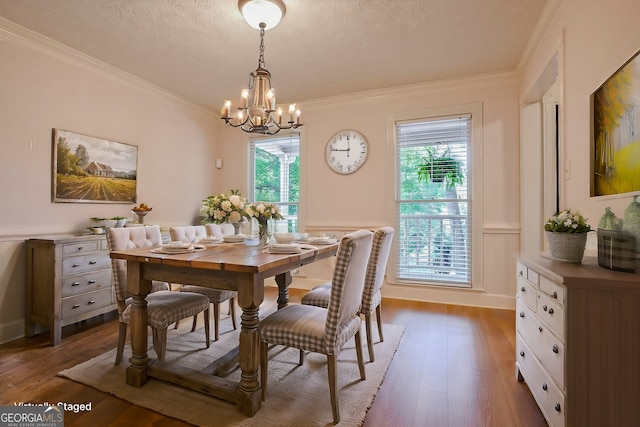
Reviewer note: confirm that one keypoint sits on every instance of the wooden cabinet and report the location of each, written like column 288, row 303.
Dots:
column 578, row 341
column 68, row 280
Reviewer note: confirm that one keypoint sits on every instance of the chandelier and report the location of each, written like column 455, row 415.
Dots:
column 257, row 111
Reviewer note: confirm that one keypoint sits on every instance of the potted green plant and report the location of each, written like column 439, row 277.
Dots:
column 441, row 167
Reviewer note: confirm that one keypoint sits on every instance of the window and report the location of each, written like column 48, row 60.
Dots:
column 433, row 200
column 275, row 174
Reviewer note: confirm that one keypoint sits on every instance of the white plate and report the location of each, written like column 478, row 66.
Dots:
column 162, row 250
column 290, row 250
column 284, row 246
column 322, row 241
column 176, row 245
column 174, row 251
column 210, row 241
column 234, row 238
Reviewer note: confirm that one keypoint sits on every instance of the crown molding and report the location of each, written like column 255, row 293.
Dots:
column 26, row 38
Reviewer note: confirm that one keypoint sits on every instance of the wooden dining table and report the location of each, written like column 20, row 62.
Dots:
column 232, row 266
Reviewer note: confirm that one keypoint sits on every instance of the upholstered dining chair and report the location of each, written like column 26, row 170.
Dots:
column 219, row 230
column 324, row 330
column 193, row 233
column 164, row 307
column 371, row 296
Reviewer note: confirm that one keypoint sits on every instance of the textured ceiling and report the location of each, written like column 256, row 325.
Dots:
column 203, row 51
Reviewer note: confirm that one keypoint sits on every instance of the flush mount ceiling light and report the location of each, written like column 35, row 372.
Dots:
column 268, row 11
column 258, row 112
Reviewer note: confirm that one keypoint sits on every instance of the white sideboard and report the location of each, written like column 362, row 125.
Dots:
column 578, row 341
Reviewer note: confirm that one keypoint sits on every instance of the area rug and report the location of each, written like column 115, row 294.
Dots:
column 296, row 395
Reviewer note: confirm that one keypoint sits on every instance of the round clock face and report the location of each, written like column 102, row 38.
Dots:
column 346, row 151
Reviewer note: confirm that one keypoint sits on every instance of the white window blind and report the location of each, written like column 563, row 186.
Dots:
column 275, row 174
column 434, row 214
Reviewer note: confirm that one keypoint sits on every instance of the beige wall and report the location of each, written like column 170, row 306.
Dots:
column 593, row 39
column 362, row 199
column 44, row 87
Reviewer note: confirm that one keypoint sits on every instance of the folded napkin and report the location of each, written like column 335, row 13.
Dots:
column 176, row 245
column 284, row 248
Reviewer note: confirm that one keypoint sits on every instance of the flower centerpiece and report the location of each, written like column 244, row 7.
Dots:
column 263, row 212
column 229, row 207
column 567, row 235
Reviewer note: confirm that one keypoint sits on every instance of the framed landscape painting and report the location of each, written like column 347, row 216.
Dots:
column 615, row 154
column 93, row 170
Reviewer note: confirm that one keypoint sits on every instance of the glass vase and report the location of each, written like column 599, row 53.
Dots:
column 264, row 231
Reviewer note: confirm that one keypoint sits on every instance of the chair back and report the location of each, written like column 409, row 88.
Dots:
column 123, row 238
column 347, row 285
column 188, row 233
column 380, row 249
column 219, row 230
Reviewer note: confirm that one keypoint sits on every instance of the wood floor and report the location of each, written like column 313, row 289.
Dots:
column 454, row 367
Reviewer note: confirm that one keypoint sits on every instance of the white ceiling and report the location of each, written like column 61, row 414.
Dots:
column 203, row 50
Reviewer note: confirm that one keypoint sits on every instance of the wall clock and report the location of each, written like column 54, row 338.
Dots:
column 346, row 151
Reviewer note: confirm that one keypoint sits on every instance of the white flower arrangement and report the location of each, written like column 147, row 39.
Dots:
column 567, row 221
column 229, row 207
column 264, row 211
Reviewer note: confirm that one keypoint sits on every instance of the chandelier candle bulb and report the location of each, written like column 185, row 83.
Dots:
column 292, row 108
column 244, row 98
column 271, row 97
column 279, row 115
column 227, row 109
column 298, row 112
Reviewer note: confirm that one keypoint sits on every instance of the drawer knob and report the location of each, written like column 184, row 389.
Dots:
column 522, row 289
column 76, row 306
column 91, row 282
column 75, row 284
column 80, row 248
column 521, row 273
column 551, row 310
column 544, row 307
column 91, row 302
column 555, row 348
column 521, row 353
column 75, row 265
column 555, row 295
column 522, row 314
column 558, row 407
column 540, row 328
column 544, row 386
column 92, row 262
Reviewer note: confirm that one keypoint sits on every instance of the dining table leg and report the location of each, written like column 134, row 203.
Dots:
column 138, row 288
column 250, row 296
column 283, row 281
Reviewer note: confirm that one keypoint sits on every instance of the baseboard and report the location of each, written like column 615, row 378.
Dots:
column 11, row 331
column 467, row 297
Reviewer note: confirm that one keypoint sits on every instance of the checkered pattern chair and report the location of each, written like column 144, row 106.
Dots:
column 324, row 330
column 164, row 307
column 371, row 296
column 193, row 233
